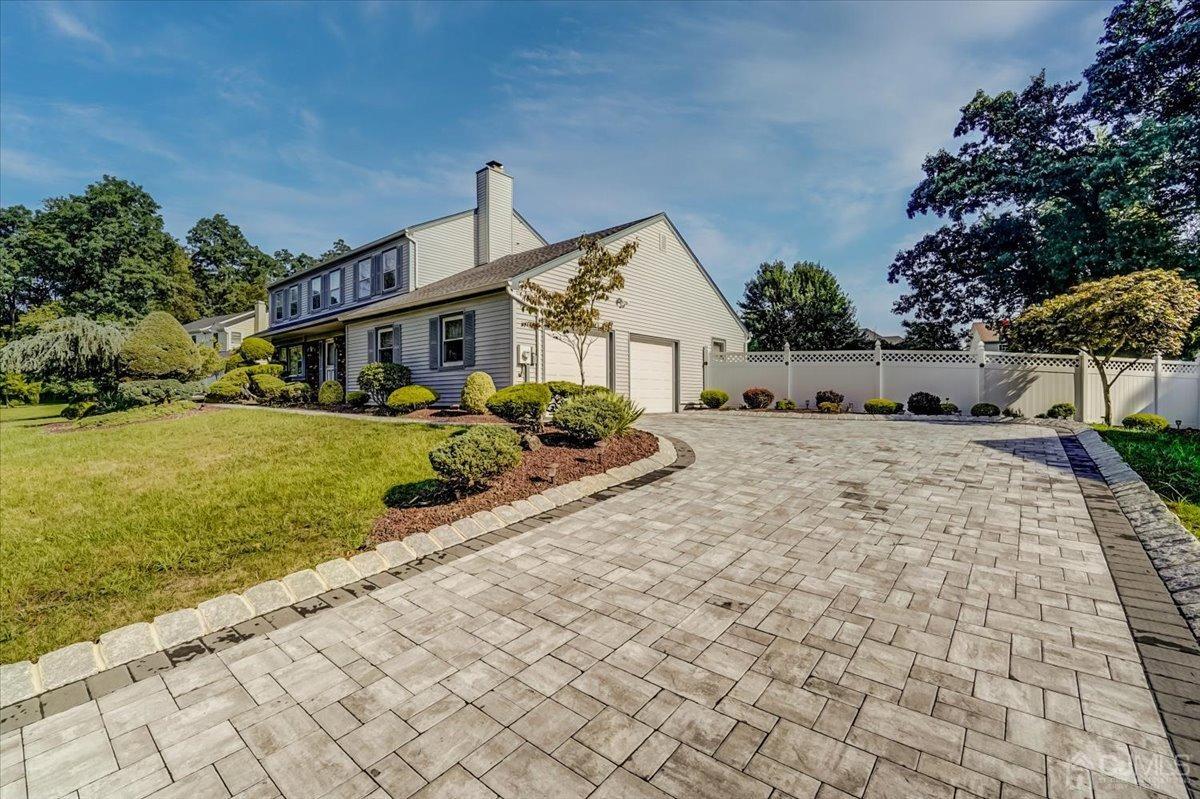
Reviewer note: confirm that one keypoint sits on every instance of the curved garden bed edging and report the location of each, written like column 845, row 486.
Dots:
column 75, row 663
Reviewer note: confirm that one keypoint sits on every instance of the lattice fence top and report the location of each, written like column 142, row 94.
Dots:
column 1030, row 360
column 1190, row 368
column 833, row 357
column 931, row 357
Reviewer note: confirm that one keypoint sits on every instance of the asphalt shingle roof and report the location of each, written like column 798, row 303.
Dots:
column 213, row 321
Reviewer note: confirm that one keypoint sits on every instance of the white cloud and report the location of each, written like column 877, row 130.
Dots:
column 67, row 24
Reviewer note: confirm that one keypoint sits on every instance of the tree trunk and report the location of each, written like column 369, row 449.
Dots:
column 1107, row 388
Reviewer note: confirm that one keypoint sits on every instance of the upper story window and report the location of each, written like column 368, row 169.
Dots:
column 278, row 298
column 390, row 275
column 385, row 344
column 293, row 300
column 335, row 288
column 362, row 278
column 314, row 293
column 452, row 340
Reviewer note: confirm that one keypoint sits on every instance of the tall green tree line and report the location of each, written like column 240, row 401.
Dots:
column 1061, row 183
column 105, row 254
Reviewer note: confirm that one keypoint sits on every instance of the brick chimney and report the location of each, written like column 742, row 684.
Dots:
column 493, row 213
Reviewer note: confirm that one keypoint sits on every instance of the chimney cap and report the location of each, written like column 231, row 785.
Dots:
column 495, row 165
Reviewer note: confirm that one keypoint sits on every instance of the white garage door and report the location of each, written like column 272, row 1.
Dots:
column 652, row 375
column 561, row 363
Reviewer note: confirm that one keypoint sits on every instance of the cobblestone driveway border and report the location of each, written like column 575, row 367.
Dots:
column 68, row 674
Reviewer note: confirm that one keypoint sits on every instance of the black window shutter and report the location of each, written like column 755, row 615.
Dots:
column 435, row 343
column 468, row 339
column 325, row 290
column 371, row 345
column 396, row 343
column 376, row 261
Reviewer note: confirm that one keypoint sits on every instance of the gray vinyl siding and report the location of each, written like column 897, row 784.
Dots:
column 445, row 248
column 523, row 237
column 666, row 296
column 493, row 344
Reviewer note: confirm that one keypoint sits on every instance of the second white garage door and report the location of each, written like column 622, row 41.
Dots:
column 561, row 363
column 652, row 375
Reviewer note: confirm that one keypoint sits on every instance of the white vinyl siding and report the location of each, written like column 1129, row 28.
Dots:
column 445, row 248
column 666, row 297
column 561, row 363
column 524, row 238
column 493, row 344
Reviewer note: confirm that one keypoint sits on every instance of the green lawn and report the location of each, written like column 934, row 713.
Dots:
column 1169, row 462
column 103, row 527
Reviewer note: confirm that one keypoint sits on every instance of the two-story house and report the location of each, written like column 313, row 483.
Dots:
column 439, row 297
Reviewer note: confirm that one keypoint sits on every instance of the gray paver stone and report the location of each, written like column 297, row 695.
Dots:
column 368, row 563
column 178, row 626
column 18, row 681
column 68, row 664
column 268, row 596
column 128, row 643
column 304, row 584
column 337, row 572
column 420, row 544
column 394, row 553
column 225, row 611
column 445, row 536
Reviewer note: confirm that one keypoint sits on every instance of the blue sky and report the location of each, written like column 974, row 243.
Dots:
column 765, row 131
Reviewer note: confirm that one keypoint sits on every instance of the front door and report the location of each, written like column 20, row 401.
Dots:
column 312, row 364
column 331, row 359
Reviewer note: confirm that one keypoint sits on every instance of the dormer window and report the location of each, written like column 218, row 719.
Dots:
column 390, row 277
column 362, row 283
column 293, row 301
column 278, row 311
column 335, row 288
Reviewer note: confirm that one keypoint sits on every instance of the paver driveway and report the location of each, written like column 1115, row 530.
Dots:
column 813, row 608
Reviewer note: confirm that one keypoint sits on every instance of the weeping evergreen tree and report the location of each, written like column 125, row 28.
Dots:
column 71, row 348
column 803, row 307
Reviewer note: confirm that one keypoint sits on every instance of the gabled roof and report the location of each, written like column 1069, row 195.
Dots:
column 491, row 276
column 985, row 333
column 213, row 322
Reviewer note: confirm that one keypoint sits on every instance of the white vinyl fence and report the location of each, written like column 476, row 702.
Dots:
column 1027, row 382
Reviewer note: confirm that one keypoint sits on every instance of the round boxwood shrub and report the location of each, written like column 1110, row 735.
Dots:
column 1061, row 410
column 295, row 393
column 923, row 402
column 785, row 405
column 948, row 408
column 523, row 404
column 211, row 362
column 476, row 391
column 226, row 390
column 234, row 361
column 78, row 410
column 984, row 409
column 267, row 386
column 476, row 456
column 880, row 405
column 588, row 418
column 159, row 349
column 713, row 398
column 407, row 399
column 152, row 392
column 1146, row 421
column 330, row 393
column 381, row 379
column 560, row 389
column 758, row 397
column 256, row 349
column 357, row 399
column 829, row 395
column 830, row 407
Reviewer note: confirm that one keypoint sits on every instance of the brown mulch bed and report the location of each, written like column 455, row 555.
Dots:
column 453, row 416
column 533, row 476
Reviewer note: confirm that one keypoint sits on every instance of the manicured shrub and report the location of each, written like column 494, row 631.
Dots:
column 1013, row 413
column 234, row 361
column 295, row 394
column 476, row 392
column 829, row 395
column 830, row 407
column 242, row 374
column 211, row 362
column 523, row 404
column 267, row 386
column 984, row 409
column 758, row 397
column 476, row 456
column 381, row 379
column 785, row 405
column 560, row 389
column 330, row 393
column 594, row 416
column 407, row 399
column 881, row 405
column 1061, row 410
column 159, row 349
column 78, row 410
column 19, row 391
column 924, row 403
column 153, row 392
column 256, row 349
column 1146, row 421
column 713, row 398
column 357, row 399
column 948, row 408
column 226, row 390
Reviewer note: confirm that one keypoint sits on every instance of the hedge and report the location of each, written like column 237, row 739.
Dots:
column 476, row 392
column 407, row 399
column 1146, row 421
column 523, row 404
column 330, row 393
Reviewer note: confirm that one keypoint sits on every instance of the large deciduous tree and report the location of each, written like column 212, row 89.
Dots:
column 803, row 307
column 230, row 271
column 1052, row 187
column 573, row 315
column 1134, row 315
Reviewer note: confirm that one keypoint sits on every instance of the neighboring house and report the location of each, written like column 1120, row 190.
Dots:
column 438, row 297
column 981, row 333
column 871, row 337
column 228, row 330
